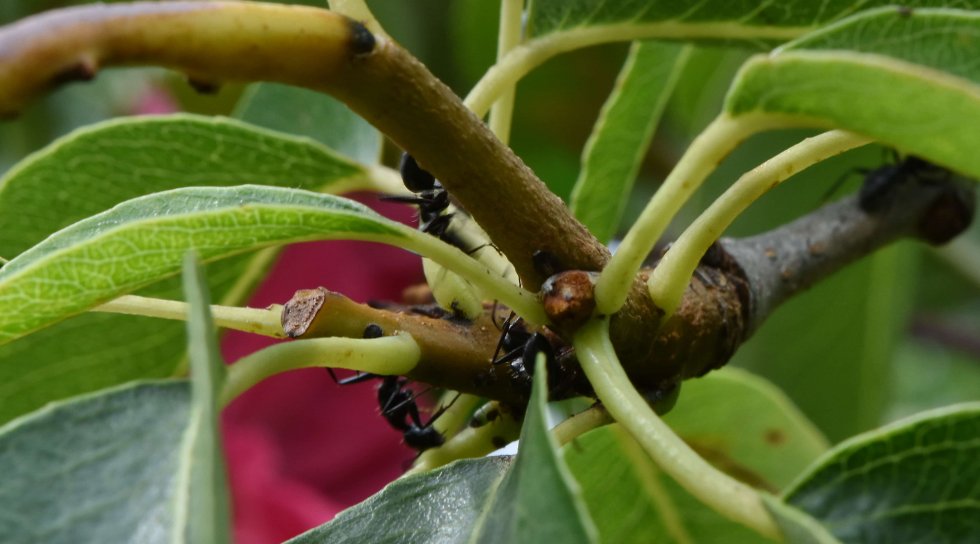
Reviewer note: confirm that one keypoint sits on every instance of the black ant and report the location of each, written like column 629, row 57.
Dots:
column 398, row 404
column 518, row 349
column 879, row 183
column 431, row 198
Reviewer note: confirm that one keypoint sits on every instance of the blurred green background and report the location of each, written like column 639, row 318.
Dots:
column 891, row 335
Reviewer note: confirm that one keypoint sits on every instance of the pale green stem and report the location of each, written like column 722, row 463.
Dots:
column 388, row 356
column 381, row 179
column 581, row 423
column 670, row 278
column 491, row 284
column 729, row 497
column 509, row 36
column 259, row 321
column 522, row 59
column 458, row 413
column 963, row 254
column 701, row 158
column 469, row 443
column 359, row 11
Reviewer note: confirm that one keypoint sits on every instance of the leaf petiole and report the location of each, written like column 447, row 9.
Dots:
column 259, row 321
column 729, row 497
column 717, row 140
column 669, row 279
column 390, row 355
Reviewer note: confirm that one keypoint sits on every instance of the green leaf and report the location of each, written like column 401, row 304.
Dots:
column 622, row 134
column 929, row 375
column 85, row 354
column 532, row 499
column 309, row 113
column 206, row 510
column 632, row 501
column 97, row 167
column 796, row 526
column 98, row 468
column 143, row 240
column 737, row 421
column 902, row 57
column 911, row 481
column 439, row 506
column 746, row 426
column 833, row 364
column 538, row 500
column 753, row 22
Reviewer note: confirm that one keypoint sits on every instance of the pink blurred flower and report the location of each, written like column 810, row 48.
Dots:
column 301, row 448
column 154, row 100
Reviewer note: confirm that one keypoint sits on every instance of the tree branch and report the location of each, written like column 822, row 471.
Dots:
column 214, row 42
column 736, row 286
column 237, row 41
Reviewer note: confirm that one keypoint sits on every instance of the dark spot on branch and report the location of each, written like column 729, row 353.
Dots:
column 82, row 71
column 203, row 86
column 499, row 442
column 546, row 263
column 362, row 41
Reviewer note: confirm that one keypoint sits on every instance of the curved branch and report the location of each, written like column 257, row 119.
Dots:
column 214, row 42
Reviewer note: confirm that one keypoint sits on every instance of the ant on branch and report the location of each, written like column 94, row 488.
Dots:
column 518, row 349
column 398, row 405
column 399, row 408
column 431, row 198
column 880, row 183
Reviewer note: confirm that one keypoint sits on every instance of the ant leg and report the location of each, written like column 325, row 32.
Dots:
column 505, row 331
column 373, row 330
column 839, row 182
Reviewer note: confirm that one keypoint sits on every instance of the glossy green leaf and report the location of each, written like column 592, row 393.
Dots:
column 833, row 361
column 737, row 421
column 720, row 19
column 911, row 481
column 903, row 57
column 439, row 506
column 746, row 426
column 632, row 501
column 98, row 468
column 530, row 499
column 97, row 167
column 622, row 134
column 796, row 526
column 538, row 499
column 308, row 113
column 206, row 510
column 143, row 240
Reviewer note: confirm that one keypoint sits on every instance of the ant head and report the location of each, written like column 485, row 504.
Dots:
column 423, row 438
